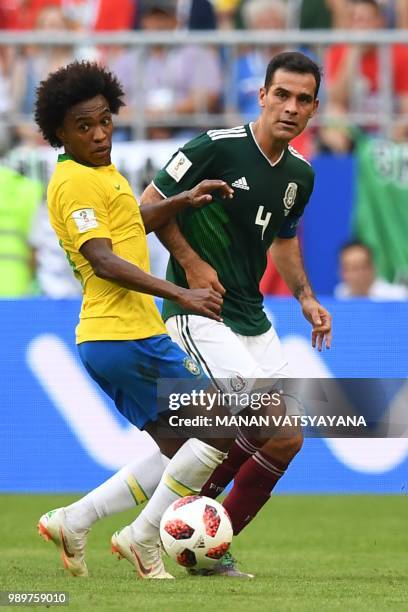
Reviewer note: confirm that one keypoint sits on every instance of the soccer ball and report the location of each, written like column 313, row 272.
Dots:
column 196, row 531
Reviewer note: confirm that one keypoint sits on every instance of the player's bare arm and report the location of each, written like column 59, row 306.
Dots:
column 199, row 273
column 107, row 265
column 159, row 212
column 287, row 257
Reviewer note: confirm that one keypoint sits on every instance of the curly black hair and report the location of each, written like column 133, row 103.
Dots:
column 74, row 83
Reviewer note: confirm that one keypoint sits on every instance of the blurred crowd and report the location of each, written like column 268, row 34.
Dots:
column 174, row 91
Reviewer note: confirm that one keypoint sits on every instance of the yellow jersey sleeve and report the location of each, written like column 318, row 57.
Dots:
column 84, row 210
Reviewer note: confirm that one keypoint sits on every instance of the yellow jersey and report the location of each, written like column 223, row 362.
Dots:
column 97, row 202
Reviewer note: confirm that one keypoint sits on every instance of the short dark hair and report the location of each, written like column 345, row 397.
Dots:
column 74, row 83
column 374, row 3
column 352, row 244
column 158, row 7
column 293, row 61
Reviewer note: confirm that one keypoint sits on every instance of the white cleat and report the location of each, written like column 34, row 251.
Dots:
column 146, row 559
column 53, row 526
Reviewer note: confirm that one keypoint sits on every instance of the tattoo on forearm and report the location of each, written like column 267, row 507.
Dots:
column 303, row 290
column 298, row 291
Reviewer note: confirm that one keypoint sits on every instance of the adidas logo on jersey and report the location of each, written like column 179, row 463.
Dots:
column 241, row 183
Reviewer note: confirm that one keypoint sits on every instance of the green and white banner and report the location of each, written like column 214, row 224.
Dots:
column 381, row 205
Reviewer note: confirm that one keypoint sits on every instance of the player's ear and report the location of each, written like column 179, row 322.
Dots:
column 262, row 97
column 60, row 134
column 315, row 107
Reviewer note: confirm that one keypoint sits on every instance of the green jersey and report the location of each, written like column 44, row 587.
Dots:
column 233, row 236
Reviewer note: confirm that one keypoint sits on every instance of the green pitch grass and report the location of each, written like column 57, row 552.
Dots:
column 308, row 553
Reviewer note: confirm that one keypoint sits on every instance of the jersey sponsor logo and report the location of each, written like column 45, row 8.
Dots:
column 85, row 219
column 117, row 186
column 241, row 183
column 289, row 197
column 236, row 132
column 178, row 166
column 191, row 366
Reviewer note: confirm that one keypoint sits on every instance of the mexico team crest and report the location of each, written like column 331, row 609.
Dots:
column 237, row 383
column 289, row 197
column 191, row 366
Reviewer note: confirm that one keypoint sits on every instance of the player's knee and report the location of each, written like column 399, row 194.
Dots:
column 284, row 449
column 294, row 444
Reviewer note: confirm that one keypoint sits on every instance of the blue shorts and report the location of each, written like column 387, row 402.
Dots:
column 129, row 372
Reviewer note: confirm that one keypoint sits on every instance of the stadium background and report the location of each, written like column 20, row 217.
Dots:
column 51, row 413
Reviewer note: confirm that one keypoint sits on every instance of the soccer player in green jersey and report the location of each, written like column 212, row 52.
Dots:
column 225, row 246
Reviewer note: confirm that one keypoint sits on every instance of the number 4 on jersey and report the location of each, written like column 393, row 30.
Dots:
column 262, row 221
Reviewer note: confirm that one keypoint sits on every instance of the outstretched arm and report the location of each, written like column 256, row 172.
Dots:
column 159, row 212
column 198, row 272
column 109, row 266
column 288, row 260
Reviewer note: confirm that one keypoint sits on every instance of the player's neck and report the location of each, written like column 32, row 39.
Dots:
column 272, row 148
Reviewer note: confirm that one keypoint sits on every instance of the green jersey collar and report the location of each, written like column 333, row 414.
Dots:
column 64, row 156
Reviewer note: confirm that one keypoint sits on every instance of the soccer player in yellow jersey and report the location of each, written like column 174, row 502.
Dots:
column 121, row 338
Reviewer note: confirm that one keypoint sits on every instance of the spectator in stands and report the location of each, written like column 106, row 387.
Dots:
column 226, row 11
column 176, row 80
column 402, row 14
column 249, row 69
column 22, row 14
column 196, row 14
column 357, row 272
column 97, row 16
column 353, row 78
column 90, row 15
column 322, row 14
column 8, row 12
column 84, row 15
column 101, row 15
column 32, row 65
column 395, row 12
column 20, row 198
